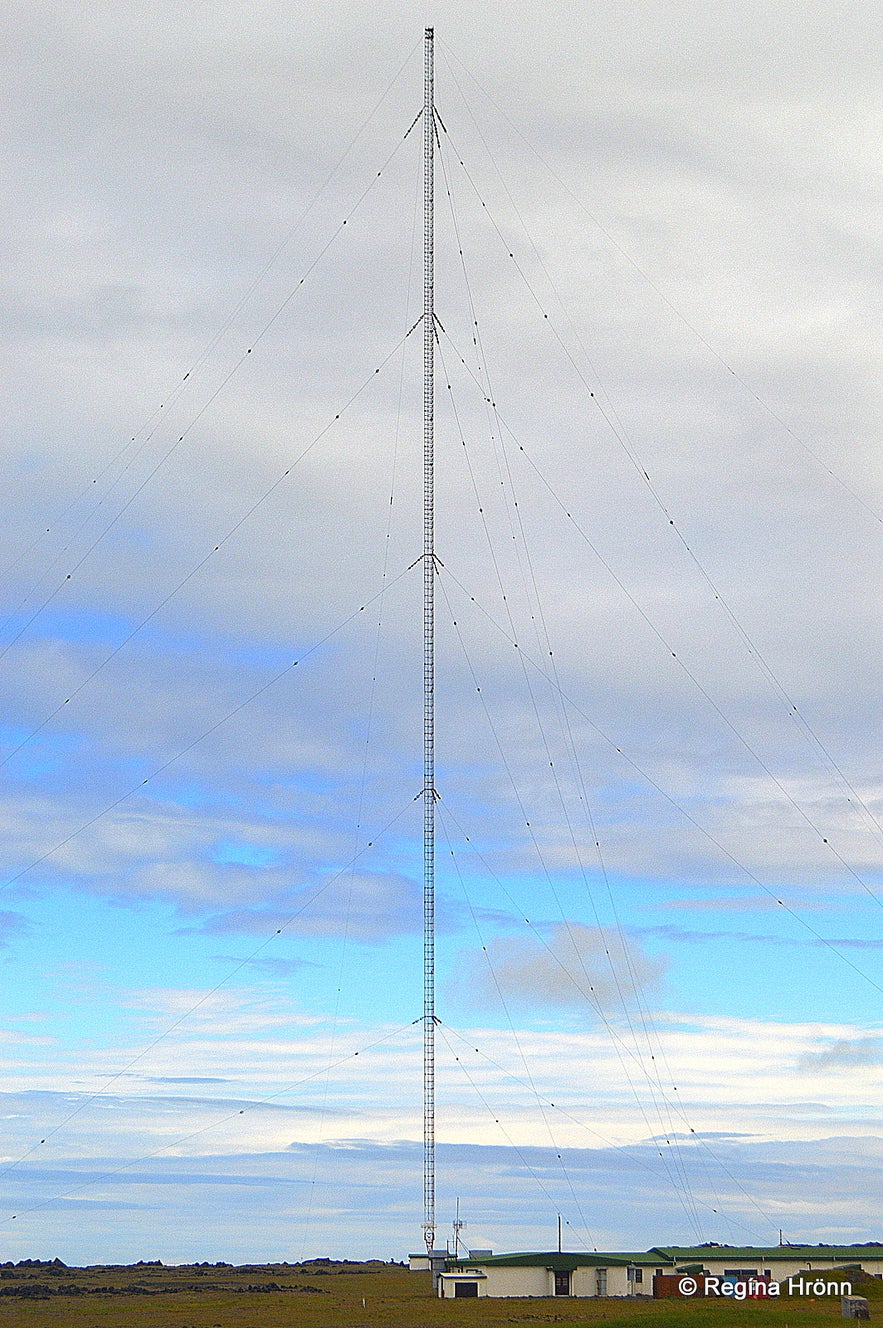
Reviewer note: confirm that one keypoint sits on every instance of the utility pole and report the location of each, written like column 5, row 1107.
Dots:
column 428, row 651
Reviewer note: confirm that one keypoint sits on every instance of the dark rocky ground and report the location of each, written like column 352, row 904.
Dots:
column 38, row 1279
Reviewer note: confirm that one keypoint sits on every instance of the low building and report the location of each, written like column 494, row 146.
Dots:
column 548, row 1274
column 426, row 1262
column 632, row 1274
column 774, row 1263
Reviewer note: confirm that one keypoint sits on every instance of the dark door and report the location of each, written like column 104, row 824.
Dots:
column 562, row 1284
column 465, row 1289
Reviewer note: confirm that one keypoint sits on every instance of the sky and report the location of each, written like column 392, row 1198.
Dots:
column 660, row 534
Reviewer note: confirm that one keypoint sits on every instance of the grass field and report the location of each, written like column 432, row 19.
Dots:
column 340, row 1295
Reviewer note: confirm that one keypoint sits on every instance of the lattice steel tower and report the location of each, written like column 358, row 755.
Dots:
column 428, row 653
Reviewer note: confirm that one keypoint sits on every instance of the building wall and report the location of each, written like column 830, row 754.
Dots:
column 447, row 1289
column 540, row 1281
column 584, row 1282
column 518, row 1281
column 781, row 1269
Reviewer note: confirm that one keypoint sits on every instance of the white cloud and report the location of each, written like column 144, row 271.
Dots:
column 365, row 906
column 749, row 1142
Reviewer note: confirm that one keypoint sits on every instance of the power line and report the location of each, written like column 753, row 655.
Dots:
column 209, row 401
column 513, row 1031
column 205, row 1129
column 609, row 415
column 369, row 723
column 207, row 995
column 611, row 742
column 618, row 1148
column 657, row 290
column 271, row 682
column 161, row 410
column 222, row 541
column 529, row 578
column 683, row 666
column 547, row 873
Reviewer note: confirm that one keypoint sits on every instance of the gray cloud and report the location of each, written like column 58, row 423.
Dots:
column 12, row 925
column 577, row 965
column 845, row 1053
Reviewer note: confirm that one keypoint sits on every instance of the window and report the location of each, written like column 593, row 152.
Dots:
column 465, row 1289
column 639, row 1274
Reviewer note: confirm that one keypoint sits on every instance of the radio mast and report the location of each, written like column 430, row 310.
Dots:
column 428, row 653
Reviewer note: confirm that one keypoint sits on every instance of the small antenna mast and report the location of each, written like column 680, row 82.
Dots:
column 428, row 652
column 458, row 1225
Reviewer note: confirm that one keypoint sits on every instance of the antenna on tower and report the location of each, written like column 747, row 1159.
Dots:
column 428, row 653
column 458, row 1224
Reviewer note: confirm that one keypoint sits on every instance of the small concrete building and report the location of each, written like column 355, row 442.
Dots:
column 548, row 1274
column 430, row 1263
column 632, row 1274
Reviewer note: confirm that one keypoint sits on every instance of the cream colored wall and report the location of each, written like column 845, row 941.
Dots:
column 618, row 1283
column 447, row 1281
column 519, row 1282
column 537, row 1281
column 584, row 1282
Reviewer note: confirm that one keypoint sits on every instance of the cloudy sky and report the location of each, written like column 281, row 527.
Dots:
column 660, row 520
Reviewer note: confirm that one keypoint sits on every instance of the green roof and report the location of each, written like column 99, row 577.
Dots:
column 675, row 1256
column 771, row 1253
column 643, row 1258
column 559, row 1262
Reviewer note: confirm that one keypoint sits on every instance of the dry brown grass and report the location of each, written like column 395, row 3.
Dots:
column 324, row 1295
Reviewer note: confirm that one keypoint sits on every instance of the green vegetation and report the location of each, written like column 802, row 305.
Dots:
column 322, row 1294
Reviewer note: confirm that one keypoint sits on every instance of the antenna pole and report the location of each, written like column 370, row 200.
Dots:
column 458, row 1227
column 428, row 653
